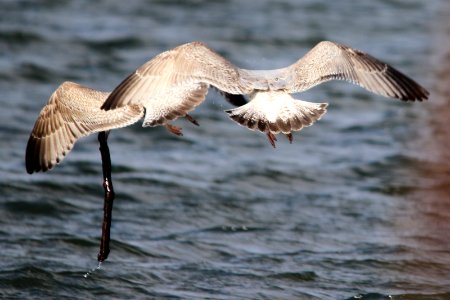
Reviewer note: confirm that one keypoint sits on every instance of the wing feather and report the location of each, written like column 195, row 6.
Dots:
column 187, row 67
column 333, row 61
column 73, row 111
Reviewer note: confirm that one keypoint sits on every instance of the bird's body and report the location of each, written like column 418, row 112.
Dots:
column 176, row 81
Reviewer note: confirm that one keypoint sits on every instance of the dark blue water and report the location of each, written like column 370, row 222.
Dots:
column 357, row 208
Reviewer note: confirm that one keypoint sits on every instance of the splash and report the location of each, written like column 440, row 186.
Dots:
column 93, row 270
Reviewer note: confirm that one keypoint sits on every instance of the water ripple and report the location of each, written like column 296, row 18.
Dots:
column 351, row 210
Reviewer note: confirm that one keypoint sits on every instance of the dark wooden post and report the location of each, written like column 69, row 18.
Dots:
column 109, row 196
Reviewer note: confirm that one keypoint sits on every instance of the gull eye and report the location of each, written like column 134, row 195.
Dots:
column 276, row 78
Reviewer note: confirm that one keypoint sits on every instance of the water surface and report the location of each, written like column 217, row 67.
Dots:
column 357, row 207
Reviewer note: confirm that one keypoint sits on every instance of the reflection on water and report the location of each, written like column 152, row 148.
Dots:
column 425, row 225
column 357, row 207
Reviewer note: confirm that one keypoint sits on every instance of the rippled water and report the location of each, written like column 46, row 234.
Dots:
column 357, row 207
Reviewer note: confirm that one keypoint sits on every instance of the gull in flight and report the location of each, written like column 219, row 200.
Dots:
column 174, row 82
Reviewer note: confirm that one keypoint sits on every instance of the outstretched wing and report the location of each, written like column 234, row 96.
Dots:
column 330, row 61
column 73, row 111
column 176, row 81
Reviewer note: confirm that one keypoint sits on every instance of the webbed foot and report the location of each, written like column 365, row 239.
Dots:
column 174, row 129
column 272, row 138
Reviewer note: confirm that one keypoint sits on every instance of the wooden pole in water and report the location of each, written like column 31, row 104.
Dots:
column 109, row 196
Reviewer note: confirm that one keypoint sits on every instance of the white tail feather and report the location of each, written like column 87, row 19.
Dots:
column 276, row 111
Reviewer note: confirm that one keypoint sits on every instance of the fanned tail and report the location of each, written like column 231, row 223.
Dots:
column 275, row 112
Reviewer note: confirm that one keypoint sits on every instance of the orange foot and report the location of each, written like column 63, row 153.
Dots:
column 272, row 138
column 174, row 129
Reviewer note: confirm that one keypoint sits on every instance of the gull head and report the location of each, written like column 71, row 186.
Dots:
column 268, row 80
column 278, row 83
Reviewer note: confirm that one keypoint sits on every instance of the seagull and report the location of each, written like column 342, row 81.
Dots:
column 175, row 82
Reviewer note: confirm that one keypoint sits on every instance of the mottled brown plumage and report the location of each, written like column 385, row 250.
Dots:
column 73, row 111
column 333, row 61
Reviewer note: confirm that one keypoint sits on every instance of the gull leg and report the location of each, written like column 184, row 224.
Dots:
column 174, row 129
column 272, row 138
column 192, row 120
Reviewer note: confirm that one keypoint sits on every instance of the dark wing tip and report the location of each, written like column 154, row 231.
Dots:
column 32, row 155
column 107, row 105
column 409, row 90
column 385, row 79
